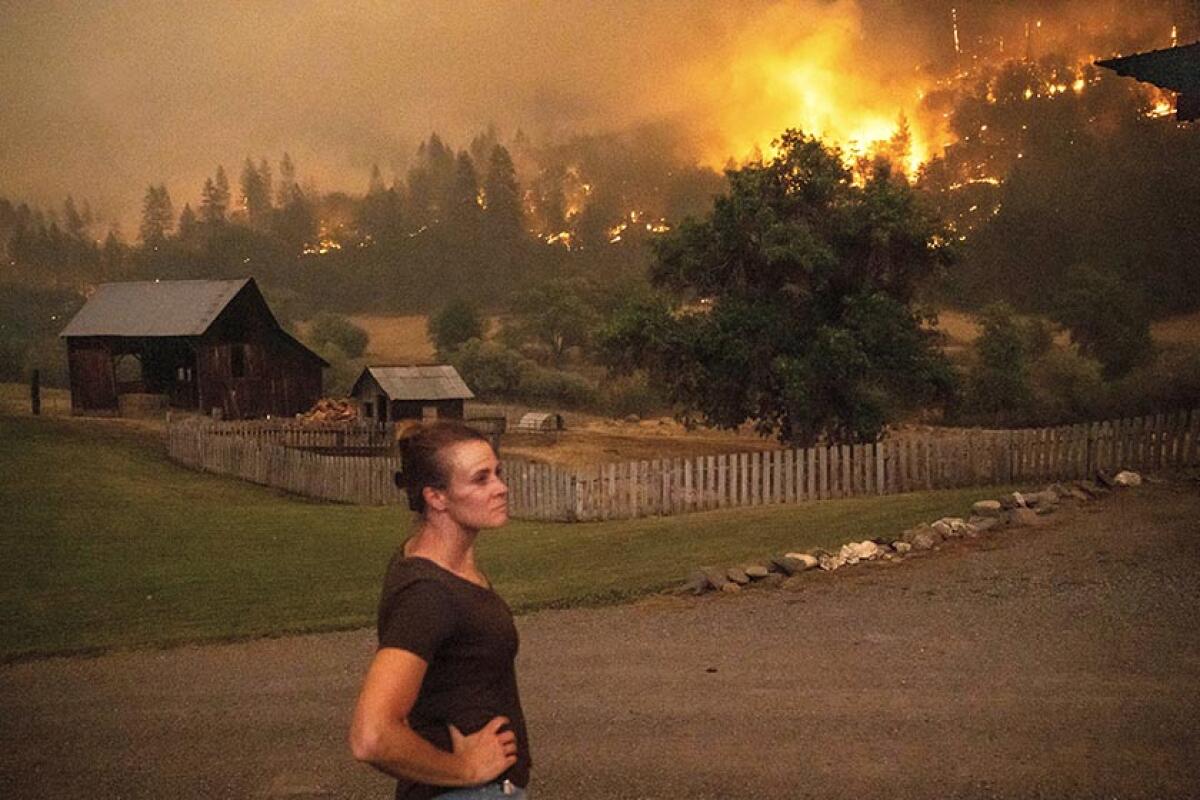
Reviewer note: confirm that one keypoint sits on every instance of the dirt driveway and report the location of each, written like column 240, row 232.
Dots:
column 1054, row 662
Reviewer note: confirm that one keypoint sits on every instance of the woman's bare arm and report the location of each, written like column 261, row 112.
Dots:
column 380, row 734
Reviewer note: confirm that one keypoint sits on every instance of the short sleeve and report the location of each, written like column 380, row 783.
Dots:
column 416, row 618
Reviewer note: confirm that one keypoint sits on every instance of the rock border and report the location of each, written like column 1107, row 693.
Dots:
column 1015, row 510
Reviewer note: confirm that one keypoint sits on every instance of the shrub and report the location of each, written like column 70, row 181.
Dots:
column 555, row 386
column 331, row 329
column 457, row 323
column 1170, row 381
column 490, row 369
column 629, row 394
column 493, row 371
column 1108, row 318
column 998, row 378
column 342, row 372
column 1067, row 387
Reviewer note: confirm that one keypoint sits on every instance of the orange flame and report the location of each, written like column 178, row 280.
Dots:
column 789, row 70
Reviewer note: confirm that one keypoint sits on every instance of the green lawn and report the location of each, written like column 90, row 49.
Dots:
column 107, row 544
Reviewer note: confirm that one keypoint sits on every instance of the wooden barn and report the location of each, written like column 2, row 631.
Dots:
column 211, row 346
column 391, row 393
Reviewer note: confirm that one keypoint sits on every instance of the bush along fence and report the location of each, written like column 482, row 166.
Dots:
column 682, row 485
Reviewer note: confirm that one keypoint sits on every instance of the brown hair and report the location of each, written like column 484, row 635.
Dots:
column 421, row 445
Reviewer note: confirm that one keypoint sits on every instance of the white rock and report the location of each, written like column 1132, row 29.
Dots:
column 1127, row 478
column 809, row 561
column 949, row 527
column 854, row 552
column 902, row 547
column 987, row 508
column 830, row 563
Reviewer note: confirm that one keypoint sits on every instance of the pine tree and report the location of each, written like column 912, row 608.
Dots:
column 268, row 181
column 255, row 196
column 187, row 223
column 73, row 220
column 212, row 209
column 503, row 194
column 375, row 185
column 288, row 189
column 462, row 200
column 222, row 185
column 157, row 216
column 112, row 257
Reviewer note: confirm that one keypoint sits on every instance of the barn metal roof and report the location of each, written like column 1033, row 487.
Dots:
column 153, row 308
column 419, row 383
column 1174, row 68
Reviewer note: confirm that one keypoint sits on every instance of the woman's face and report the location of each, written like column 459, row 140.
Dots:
column 476, row 497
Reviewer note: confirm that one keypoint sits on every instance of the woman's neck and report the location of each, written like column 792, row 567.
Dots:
column 447, row 545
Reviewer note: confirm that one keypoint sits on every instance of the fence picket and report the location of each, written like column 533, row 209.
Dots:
column 822, row 473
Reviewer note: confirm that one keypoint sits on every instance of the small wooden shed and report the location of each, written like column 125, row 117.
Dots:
column 391, row 393
column 203, row 345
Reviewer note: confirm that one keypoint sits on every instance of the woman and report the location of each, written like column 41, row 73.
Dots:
column 439, row 708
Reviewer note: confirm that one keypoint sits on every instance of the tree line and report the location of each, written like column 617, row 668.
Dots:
column 799, row 300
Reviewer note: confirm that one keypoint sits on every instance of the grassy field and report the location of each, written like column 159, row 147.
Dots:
column 106, row 544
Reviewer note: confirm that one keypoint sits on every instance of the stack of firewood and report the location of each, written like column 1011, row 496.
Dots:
column 331, row 409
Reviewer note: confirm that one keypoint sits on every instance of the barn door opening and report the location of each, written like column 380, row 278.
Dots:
column 184, row 386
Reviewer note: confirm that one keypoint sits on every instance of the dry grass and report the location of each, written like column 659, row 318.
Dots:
column 959, row 329
column 397, row 340
column 1183, row 329
column 14, row 400
column 401, row 339
column 626, row 442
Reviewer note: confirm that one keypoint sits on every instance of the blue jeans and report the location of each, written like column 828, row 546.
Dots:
column 489, row 791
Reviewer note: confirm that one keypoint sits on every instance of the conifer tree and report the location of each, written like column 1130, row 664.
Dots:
column 158, row 217
column 503, row 194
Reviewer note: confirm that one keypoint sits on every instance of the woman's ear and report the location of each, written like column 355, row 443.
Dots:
column 434, row 498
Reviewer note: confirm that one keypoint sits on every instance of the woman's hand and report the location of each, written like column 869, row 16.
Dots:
column 487, row 753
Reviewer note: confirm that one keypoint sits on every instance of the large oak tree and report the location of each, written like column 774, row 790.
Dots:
column 793, row 304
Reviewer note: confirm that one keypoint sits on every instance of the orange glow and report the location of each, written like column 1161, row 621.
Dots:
column 790, row 69
column 1162, row 108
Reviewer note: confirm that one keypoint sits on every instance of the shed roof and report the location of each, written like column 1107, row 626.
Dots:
column 154, row 308
column 440, row 382
column 540, row 421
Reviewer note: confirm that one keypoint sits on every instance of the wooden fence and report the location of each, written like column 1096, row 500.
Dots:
column 683, row 485
column 275, row 455
column 293, row 434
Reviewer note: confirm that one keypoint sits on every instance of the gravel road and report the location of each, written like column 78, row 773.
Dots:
column 1056, row 662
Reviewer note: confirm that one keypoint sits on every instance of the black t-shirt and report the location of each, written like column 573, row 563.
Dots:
column 465, row 633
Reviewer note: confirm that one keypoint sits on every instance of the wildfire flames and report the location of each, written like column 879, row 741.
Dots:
column 780, row 78
column 819, row 81
column 803, row 66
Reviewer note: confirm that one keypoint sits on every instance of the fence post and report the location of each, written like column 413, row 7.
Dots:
column 1092, row 461
column 1193, row 447
column 883, row 468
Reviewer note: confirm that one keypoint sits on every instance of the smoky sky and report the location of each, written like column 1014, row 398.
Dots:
column 98, row 99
